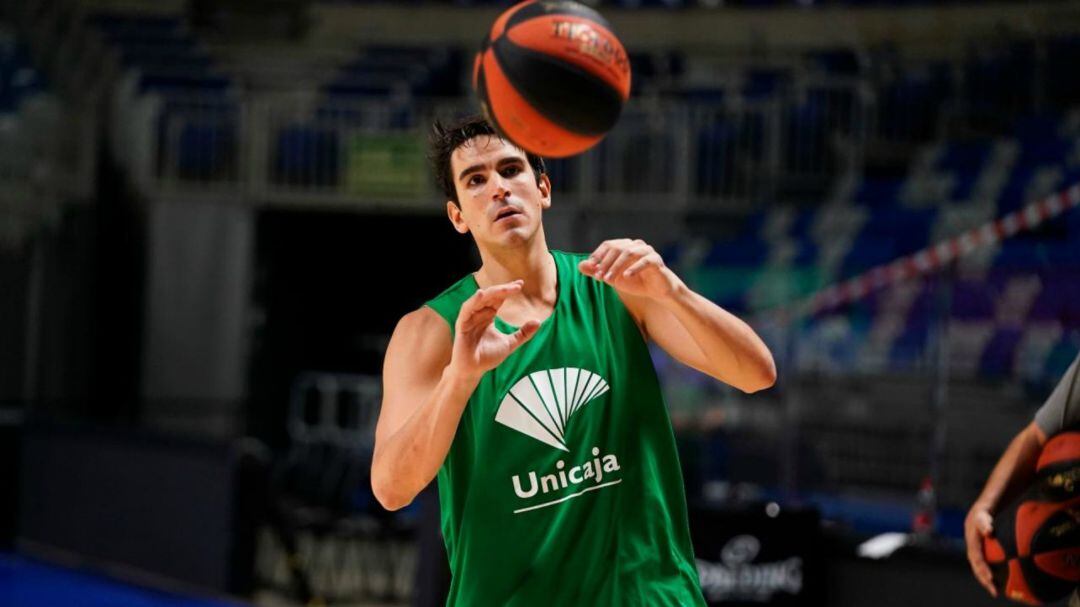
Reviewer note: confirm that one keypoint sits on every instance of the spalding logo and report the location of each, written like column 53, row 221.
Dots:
column 738, row 577
column 1064, row 480
column 592, row 43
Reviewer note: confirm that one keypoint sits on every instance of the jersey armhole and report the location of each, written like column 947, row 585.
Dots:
column 444, row 319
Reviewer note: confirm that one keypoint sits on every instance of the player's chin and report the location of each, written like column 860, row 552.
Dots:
column 515, row 224
column 514, row 235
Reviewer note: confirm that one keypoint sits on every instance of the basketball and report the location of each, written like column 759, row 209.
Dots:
column 1035, row 551
column 1058, row 468
column 552, row 77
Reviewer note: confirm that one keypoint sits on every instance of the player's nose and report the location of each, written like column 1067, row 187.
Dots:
column 501, row 191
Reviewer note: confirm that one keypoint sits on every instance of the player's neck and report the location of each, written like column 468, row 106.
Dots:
column 533, row 264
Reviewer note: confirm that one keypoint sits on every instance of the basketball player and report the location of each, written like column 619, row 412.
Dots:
column 528, row 389
column 1015, row 469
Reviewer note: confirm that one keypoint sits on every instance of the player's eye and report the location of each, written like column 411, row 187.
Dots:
column 511, row 171
column 475, row 180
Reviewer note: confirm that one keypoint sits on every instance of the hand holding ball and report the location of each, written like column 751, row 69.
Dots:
column 1034, row 553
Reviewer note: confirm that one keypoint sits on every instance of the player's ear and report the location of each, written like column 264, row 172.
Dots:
column 453, row 211
column 544, row 184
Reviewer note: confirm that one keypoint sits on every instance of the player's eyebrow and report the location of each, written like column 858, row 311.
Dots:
column 505, row 160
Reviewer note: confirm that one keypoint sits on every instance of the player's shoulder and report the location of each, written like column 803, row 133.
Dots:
column 421, row 337
column 419, row 347
column 421, row 324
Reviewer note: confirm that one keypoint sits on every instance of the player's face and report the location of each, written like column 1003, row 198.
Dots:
column 501, row 202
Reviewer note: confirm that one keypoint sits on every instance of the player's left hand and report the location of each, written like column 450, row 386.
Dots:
column 978, row 525
column 632, row 267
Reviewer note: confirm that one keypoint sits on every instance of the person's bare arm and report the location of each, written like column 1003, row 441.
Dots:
column 1010, row 476
column 427, row 381
column 689, row 327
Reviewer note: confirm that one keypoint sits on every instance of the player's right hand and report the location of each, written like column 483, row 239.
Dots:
column 978, row 525
column 478, row 345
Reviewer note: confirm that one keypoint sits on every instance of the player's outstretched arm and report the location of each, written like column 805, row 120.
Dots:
column 427, row 381
column 694, row 330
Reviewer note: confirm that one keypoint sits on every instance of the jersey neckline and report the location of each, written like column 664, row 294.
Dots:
column 560, row 281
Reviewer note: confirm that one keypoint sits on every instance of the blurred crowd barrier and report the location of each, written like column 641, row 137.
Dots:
column 312, row 150
column 326, row 535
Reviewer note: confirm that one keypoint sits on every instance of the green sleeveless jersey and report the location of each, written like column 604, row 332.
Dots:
column 562, row 486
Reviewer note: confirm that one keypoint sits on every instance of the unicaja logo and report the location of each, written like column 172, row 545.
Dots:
column 541, row 404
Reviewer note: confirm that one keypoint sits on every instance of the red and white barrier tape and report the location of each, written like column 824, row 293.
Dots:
column 935, row 256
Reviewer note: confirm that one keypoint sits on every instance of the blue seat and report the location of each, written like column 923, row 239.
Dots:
column 807, row 134
column 839, row 61
column 306, row 155
column 132, row 51
column 644, row 69
column 563, row 173
column 179, row 82
column 343, row 111
column 868, row 251
column 999, row 356
column 878, row 192
column 715, row 156
column 966, row 156
column 762, row 83
column 1020, row 254
column 800, row 226
column 999, row 81
column 972, row 300
column 907, row 229
column 712, row 95
column 203, row 133
column 1014, row 194
column 806, row 254
column 22, row 83
column 167, row 60
column 909, row 106
column 741, row 252
column 910, row 345
column 367, row 87
column 208, row 150
column 1036, row 126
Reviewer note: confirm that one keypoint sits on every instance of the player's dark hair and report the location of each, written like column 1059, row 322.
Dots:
column 445, row 138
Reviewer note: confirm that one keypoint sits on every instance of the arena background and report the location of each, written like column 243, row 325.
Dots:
column 212, row 214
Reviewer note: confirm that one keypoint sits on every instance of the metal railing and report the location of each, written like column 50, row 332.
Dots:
column 304, row 149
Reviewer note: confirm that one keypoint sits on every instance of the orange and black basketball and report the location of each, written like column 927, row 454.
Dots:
column 1058, row 469
column 1035, row 551
column 552, row 77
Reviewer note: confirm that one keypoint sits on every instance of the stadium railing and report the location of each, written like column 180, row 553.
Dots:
column 714, row 149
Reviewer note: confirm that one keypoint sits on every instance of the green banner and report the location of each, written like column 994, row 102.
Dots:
column 388, row 165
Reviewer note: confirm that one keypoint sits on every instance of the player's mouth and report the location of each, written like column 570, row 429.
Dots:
column 507, row 213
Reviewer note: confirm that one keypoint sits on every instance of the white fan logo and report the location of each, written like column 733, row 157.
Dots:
column 542, row 403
